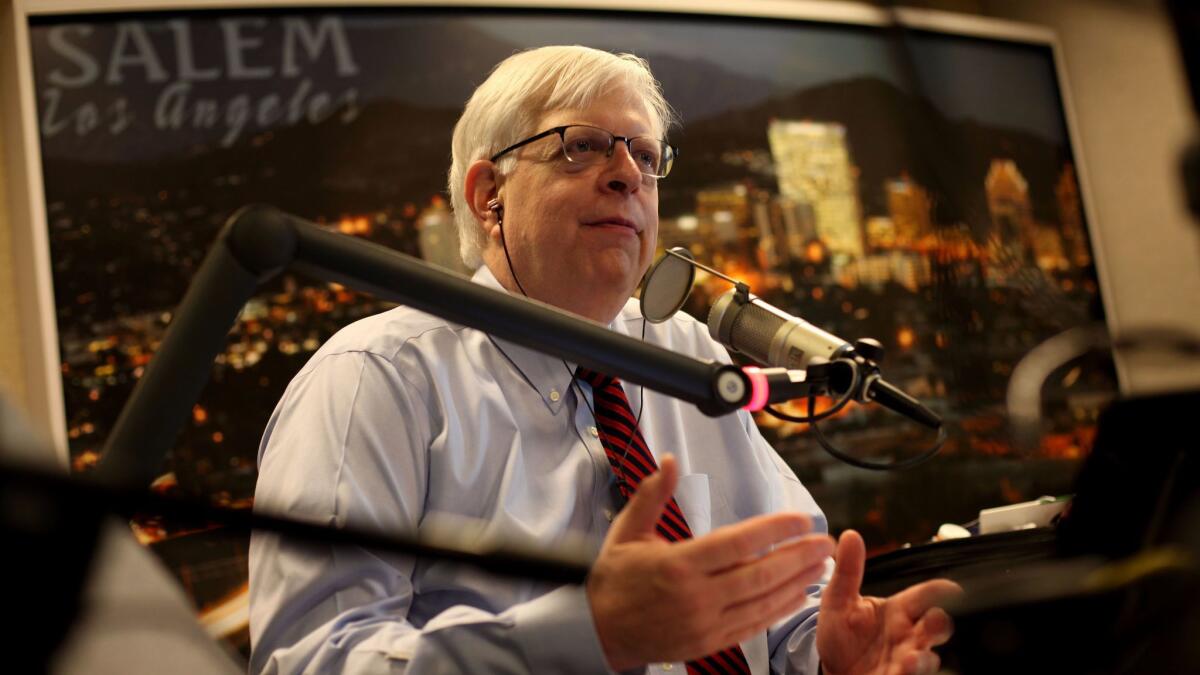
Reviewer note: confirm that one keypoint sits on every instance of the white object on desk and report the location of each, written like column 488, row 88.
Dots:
column 1037, row 513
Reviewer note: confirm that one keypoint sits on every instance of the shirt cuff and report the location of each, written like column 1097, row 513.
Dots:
column 557, row 635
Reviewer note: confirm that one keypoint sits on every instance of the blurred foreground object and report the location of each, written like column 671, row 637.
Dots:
column 1119, row 594
column 92, row 599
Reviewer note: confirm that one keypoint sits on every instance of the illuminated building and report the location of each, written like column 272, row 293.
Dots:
column 872, row 270
column 911, row 271
column 910, row 207
column 812, row 163
column 881, row 233
column 724, row 214
column 796, row 221
column 900, row 267
column 681, row 231
column 1010, row 245
column 769, row 230
column 1048, row 249
column 1009, row 205
column 1070, row 213
column 957, row 243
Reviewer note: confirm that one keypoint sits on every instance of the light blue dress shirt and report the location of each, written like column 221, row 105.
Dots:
column 403, row 418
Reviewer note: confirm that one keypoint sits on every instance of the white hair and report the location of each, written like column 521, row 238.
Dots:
column 521, row 90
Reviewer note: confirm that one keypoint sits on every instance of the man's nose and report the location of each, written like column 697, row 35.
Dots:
column 622, row 173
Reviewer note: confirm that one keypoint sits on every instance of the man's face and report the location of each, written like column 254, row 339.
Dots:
column 580, row 237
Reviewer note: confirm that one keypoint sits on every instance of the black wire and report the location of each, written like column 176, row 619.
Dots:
column 812, row 418
column 868, row 464
column 575, row 380
column 837, row 407
column 504, row 243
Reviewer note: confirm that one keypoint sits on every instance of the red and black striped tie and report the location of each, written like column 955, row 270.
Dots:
column 631, row 461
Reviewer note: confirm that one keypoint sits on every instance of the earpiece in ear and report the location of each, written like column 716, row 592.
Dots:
column 497, row 208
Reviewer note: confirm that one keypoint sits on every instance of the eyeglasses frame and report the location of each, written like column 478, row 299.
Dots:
column 562, row 140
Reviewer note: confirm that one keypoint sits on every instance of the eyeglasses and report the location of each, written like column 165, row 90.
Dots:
column 585, row 145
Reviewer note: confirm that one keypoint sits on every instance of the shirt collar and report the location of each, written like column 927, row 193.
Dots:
column 546, row 374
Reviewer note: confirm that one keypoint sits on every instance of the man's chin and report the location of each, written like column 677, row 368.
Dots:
column 615, row 269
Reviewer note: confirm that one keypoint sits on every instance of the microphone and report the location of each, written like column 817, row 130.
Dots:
column 747, row 325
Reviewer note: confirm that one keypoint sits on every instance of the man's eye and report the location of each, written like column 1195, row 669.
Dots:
column 647, row 159
column 581, row 145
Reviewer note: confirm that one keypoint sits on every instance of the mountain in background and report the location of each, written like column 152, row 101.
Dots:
column 398, row 151
column 394, row 156
column 889, row 132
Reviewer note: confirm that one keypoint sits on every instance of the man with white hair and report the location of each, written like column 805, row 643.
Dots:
column 715, row 557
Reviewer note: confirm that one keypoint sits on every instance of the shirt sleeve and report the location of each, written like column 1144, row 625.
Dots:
column 347, row 444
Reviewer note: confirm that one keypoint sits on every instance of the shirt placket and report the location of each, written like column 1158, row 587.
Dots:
column 589, row 433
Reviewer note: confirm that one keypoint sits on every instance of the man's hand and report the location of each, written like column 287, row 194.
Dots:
column 888, row 636
column 654, row 600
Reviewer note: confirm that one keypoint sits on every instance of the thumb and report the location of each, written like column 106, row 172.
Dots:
column 849, row 563
column 638, row 518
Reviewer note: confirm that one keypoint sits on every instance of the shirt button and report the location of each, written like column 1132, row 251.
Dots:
column 554, row 395
column 594, row 432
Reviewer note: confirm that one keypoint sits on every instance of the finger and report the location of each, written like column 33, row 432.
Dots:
column 920, row 663
column 918, row 599
column 638, row 518
column 753, row 618
column 765, row 574
column 844, row 585
column 733, row 544
column 751, row 609
column 934, row 628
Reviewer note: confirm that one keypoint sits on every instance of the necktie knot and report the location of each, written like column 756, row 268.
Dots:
column 595, row 379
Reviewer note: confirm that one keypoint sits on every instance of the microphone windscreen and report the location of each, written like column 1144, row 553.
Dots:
column 667, row 285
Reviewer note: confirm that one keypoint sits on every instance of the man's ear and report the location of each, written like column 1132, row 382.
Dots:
column 481, row 187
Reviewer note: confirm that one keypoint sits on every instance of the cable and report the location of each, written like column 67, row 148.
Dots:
column 813, row 417
column 875, row 466
column 498, row 210
column 837, row 407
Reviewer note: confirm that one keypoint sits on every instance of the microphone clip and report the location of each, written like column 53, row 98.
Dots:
column 741, row 291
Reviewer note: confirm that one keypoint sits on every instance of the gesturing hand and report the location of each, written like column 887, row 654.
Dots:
column 654, row 600
column 888, row 636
